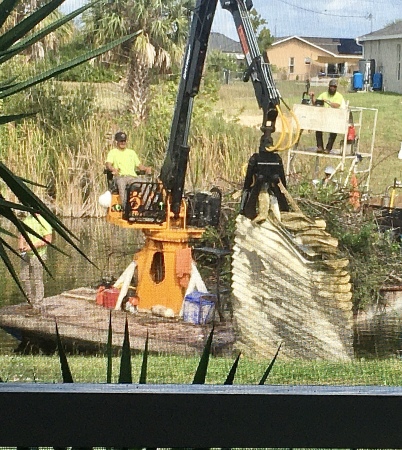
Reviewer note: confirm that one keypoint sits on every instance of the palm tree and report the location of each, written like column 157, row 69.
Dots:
column 52, row 41
column 164, row 25
column 16, row 38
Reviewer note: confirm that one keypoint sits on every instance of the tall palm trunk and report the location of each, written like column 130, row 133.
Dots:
column 138, row 86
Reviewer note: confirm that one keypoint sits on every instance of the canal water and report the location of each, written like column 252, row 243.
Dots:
column 111, row 249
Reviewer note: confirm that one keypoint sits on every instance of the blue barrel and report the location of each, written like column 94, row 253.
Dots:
column 357, row 81
column 377, row 81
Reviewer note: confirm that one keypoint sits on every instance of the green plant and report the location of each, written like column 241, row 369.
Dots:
column 13, row 42
column 265, row 39
column 372, row 254
column 344, row 82
column 17, row 39
column 96, row 70
column 218, row 61
column 59, row 107
column 365, row 369
column 164, row 26
column 125, row 375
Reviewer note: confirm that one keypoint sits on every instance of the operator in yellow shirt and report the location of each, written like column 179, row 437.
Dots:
column 124, row 164
column 331, row 99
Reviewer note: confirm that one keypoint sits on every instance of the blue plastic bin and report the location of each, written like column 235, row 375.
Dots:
column 199, row 308
column 377, row 81
column 357, row 81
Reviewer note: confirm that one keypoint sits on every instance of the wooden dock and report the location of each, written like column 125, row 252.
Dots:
column 83, row 326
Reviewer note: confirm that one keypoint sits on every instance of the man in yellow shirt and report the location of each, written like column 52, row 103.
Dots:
column 31, row 274
column 331, row 99
column 124, row 163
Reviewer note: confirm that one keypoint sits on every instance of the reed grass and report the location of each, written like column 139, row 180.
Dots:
column 220, row 152
column 78, row 174
column 72, row 160
column 26, row 152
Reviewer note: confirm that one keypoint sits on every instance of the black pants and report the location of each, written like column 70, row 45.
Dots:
column 320, row 143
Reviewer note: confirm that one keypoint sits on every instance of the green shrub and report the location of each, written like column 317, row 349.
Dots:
column 218, row 61
column 97, row 72
column 59, row 107
column 373, row 254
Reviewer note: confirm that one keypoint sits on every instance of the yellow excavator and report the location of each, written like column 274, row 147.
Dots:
column 168, row 217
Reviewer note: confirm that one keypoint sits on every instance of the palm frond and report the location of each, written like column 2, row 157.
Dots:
column 10, row 267
column 14, row 117
column 10, row 248
column 144, row 365
column 230, row 378
column 125, row 362
column 33, row 183
column 27, row 25
column 6, row 7
column 7, row 232
column 32, row 39
column 7, row 83
column 269, row 368
column 11, row 205
column 65, row 368
column 109, row 351
column 24, row 230
column 201, row 373
column 30, row 200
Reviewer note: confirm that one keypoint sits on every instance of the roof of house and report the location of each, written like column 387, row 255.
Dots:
column 392, row 31
column 333, row 46
column 218, row 41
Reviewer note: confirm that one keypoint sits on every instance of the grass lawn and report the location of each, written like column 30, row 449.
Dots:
column 238, row 100
column 171, row 369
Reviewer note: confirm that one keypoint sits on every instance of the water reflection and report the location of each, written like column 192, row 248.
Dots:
column 110, row 248
column 381, row 338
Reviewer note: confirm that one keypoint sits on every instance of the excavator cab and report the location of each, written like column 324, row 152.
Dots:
column 148, row 204
column 145, row 203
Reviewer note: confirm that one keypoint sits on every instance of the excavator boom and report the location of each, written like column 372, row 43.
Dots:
column 258, row 71
column 174, row 168
column 155, row 205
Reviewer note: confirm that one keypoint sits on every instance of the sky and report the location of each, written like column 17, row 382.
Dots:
column 318, row 18
column 309, row 18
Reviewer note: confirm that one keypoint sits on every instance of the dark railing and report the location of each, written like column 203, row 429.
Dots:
column 199, row 416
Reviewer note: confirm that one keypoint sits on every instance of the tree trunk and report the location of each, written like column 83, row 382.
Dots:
column 138, row 86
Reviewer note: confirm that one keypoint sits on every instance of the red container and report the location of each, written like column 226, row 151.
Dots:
column 99, row 295
column 110, row 297
column 351, row 134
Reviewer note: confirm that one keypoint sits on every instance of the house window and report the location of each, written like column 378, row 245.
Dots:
column 291, row 65
column 398, row 61
column 307, row 60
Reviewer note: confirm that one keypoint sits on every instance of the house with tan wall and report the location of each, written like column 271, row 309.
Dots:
column 302, row 58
